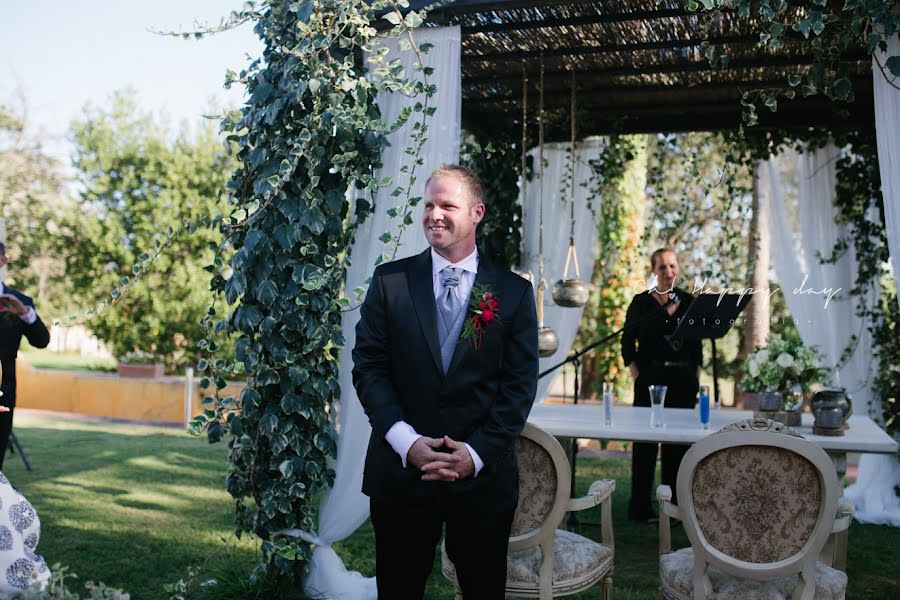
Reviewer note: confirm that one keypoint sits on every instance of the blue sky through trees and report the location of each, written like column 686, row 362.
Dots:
column 63, row 54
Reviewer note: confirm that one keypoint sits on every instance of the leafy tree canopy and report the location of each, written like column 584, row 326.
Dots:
column 140, row 179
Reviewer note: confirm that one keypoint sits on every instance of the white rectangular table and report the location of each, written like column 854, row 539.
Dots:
column 632, row 423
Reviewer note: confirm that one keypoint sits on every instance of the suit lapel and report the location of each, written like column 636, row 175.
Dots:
column 486, row 276
column 421, row 288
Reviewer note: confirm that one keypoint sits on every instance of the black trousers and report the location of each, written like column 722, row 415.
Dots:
column 406, row 538
column 683, row 387
column 6, row 422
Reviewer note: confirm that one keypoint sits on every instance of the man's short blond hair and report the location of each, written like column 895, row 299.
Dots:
column 467, row 177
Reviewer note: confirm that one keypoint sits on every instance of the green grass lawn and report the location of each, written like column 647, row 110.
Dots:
column 135, row 506
column 44, row 359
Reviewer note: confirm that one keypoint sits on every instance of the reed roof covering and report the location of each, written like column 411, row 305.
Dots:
column 638, row 66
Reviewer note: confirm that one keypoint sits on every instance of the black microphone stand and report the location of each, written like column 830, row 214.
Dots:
column 575, row 359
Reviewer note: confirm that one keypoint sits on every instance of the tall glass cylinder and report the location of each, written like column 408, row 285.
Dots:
column 607, row 403
column 657, row 403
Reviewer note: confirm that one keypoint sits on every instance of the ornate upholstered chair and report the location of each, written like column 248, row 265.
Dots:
column 759, row 503
column 543, row 561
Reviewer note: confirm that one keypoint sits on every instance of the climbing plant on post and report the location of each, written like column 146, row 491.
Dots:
column 308, row 140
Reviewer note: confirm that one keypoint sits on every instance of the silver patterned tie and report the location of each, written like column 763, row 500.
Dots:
column 448, row 304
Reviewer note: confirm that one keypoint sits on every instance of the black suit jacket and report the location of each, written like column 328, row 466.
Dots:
column 12, row 328
column 483, row 400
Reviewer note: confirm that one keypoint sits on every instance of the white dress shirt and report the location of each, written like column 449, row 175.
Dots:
column 401, row 436
column 29, row 317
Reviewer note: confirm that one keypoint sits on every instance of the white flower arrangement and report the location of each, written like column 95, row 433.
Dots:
column 794, row 365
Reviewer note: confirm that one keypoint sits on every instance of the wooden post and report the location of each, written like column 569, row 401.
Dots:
column 3, row 239
column 188, row 396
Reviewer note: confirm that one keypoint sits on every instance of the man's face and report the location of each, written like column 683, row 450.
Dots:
column 666, row 270
column 448, row 219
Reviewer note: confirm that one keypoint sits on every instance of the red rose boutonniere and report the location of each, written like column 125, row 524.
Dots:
column 484, row 307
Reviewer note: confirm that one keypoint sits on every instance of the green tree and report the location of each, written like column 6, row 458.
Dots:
column 141, row 180
column 32, row 202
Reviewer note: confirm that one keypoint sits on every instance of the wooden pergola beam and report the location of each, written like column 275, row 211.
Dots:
column 718, row 120
column 691, row 67
column 587, row 93
column 624, row 17
column 607, row 49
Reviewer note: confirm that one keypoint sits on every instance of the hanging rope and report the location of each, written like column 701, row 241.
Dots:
column 572, row 163
column 541, row 283
column 524, row 182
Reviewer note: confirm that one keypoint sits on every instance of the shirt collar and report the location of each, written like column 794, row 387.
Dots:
column 469, row 263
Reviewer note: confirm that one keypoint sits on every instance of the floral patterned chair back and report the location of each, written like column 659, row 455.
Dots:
column 758, row 501
column 758, row 504
column 538, row 486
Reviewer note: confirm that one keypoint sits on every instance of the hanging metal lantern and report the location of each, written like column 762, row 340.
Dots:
column 571, row 293
column 548, row 341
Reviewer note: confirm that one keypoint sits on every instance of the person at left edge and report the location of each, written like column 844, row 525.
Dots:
column 17, row 318
column 445, row 414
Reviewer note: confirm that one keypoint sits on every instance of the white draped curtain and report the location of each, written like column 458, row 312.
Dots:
column 887, row 132
column 344, row 507
column 557, row 227
column 873, row 494
column 827, row 323
column 818, row 295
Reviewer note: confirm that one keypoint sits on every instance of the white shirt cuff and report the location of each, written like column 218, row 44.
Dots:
column 29, row 317
column 479, row 464
column 401, row 436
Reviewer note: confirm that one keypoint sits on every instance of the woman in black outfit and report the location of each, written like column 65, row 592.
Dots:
column 653, row 361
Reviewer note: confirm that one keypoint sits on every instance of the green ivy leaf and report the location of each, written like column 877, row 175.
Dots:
column 893, row 64
column 247, row 318
column 267, row 293
column 291, row 403
column 304, row 11
column 842, row 89
column 235, row 287
column 803, row 27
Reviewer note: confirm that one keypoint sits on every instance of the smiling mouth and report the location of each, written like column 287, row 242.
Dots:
column 437, row 228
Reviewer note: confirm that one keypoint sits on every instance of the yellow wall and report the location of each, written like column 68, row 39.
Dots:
column 107, row 395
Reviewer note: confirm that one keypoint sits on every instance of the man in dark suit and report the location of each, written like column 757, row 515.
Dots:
column 17, row 318
column 447, row 388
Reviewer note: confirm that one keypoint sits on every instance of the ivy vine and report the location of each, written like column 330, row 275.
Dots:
column 309, row 132
column 619, row 208
column 824, row 30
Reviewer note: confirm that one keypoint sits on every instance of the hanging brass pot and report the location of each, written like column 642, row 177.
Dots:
column 571, row 293
column 548, row 341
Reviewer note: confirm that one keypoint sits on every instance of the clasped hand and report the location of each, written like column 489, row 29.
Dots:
column 441, row 459
column 11, row 304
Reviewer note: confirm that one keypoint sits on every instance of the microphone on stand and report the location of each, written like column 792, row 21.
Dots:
column 675, row 345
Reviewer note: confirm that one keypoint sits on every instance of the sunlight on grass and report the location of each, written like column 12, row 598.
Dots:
column 135, row 506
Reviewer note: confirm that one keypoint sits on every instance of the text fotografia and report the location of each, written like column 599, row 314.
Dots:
column 700, row 287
